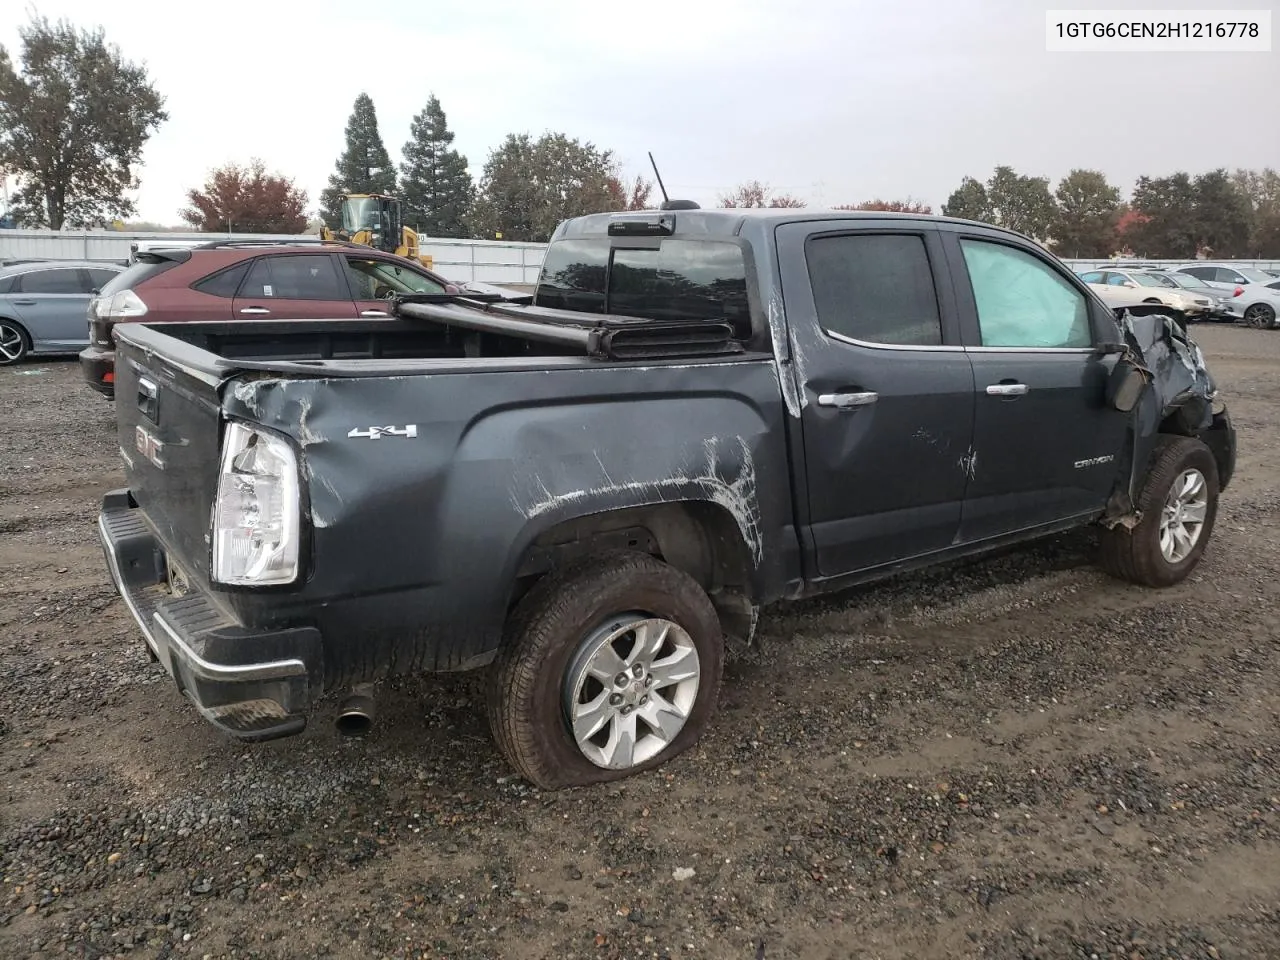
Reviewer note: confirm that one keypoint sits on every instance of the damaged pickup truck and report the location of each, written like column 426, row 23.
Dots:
column 593, row 491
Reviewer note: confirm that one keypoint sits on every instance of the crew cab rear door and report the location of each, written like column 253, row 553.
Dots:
column 886, row 390
column 1046, row 443
column 294, row 286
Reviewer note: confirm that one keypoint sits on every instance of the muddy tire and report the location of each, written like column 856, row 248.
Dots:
column 1178, row 504
column 556, row 677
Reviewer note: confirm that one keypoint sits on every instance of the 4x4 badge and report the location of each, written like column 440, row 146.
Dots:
column 376, row 433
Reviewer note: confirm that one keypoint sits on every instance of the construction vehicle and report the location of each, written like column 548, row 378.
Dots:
column 377, row 220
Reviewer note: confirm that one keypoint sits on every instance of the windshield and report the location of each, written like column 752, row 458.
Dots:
column 360, row 213
column 1153, row 280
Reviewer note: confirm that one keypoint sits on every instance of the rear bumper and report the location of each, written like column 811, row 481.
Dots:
column 98, row 366
column 254, row 685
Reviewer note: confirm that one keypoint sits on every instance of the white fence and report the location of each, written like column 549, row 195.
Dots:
column 487, row 261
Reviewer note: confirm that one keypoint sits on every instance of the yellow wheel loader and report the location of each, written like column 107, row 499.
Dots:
column 377, row 220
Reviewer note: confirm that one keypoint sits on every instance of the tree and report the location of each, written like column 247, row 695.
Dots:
column 434, row 180
column 1087, row 212
column 73, row 124
column 248, row 200
column 890, row 206
column 1021, row 203
column 364, row 166
column 1262, row 191
column 635, row 197
column 1223, row 215
column 1167, row 228
column 753, row 193
column 1129, row 225
column 969, row 201
column 529, row 186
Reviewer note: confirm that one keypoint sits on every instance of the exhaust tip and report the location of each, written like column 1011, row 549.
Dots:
column 355, row 718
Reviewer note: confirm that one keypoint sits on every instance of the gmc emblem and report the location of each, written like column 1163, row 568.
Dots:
column 148, row 446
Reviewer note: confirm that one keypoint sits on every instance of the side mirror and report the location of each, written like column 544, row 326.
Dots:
column 1130, row 284
column 1124, row 389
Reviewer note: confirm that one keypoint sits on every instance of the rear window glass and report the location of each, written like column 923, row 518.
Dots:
column 135, row 275
column 678, row 280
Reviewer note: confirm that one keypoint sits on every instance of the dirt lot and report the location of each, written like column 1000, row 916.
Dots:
column 1011, row 758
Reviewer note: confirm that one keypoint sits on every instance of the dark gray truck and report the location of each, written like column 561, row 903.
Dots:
column 593, row 491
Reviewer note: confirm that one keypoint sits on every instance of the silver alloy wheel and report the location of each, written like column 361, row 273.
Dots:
column 1182, row 517
column 11, row 343
column 1259, row 316
column 630, row 689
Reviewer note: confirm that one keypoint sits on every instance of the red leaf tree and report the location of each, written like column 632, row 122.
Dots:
column 633, row 197
column 247, row 200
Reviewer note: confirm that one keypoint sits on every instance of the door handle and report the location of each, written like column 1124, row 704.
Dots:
column 1007, row 389
column 844, row 401
column 25, row 303
column 374, row 313
column 254, row 310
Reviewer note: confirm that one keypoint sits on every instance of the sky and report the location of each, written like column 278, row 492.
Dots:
column 834, row 102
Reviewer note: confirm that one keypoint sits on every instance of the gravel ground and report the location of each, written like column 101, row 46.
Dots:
column 1011, row 758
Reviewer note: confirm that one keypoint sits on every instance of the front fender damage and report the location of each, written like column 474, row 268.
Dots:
column 1162, row 381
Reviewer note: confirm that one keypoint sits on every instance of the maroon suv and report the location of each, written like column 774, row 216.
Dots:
column 248, row 279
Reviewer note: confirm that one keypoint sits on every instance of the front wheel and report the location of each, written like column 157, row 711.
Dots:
column 1178, row 505
column 610, row 666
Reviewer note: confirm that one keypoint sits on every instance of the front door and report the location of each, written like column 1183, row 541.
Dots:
column 1045, row 444
column 887, row 390
column 304, row 286
column 374, row 281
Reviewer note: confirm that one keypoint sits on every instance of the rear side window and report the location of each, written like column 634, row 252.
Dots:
column 305, row 277
column 54, row 281
column 876, row 288
column 100, row 278
column 224, row 283
column 676, row 280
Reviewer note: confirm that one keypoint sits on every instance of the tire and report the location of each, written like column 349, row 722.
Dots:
column 1136, row 554
column 1260, row 316
column 14, row 342
column 548, row 640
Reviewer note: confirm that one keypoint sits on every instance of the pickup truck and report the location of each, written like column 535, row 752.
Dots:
column 592, row 491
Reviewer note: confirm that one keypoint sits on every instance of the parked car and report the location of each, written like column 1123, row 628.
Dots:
column 1257, row 305
column 1216, row 297
column 42, row 305
column 247, row 280
column 695, row 414
column 1154, row 288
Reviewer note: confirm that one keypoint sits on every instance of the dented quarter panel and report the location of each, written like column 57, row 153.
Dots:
column 416, row 541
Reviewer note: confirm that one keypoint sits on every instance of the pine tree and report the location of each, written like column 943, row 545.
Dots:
column 435, row 182
column 364, row 166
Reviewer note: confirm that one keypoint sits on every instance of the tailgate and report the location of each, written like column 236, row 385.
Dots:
column 168, row 415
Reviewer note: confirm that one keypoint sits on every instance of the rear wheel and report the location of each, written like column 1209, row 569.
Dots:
column 1261, row 316
column 14, row 343
column 1178, row 505
column 610, row 666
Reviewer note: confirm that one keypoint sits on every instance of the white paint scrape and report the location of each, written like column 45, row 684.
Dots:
column 739, row 497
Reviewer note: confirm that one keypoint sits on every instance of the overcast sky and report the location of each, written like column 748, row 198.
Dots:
column 842, row 102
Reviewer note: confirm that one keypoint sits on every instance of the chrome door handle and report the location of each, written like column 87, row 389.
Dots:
column 374, row 313
column 844, row 401
column 1007, row 389
column 254, row 310
column 25, row 303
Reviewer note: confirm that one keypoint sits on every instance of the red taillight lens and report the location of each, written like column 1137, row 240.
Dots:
column 109, row 377
column 1239, row 291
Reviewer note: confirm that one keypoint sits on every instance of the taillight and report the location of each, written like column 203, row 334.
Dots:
column 122, row 305
column 1239, row 292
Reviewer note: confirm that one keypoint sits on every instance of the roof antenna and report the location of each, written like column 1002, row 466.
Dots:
column 654, row 163
column 667, row 202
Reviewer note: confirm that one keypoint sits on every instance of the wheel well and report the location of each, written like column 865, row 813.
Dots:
column 699, row 538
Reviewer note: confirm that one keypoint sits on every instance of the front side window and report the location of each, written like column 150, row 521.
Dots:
column 1021, row 301
column 1152, row 280
column 1094, row 277
column 54, row 281
column 305, row 277
column 875, row 288
column 379, row 279
column 1116, row 279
